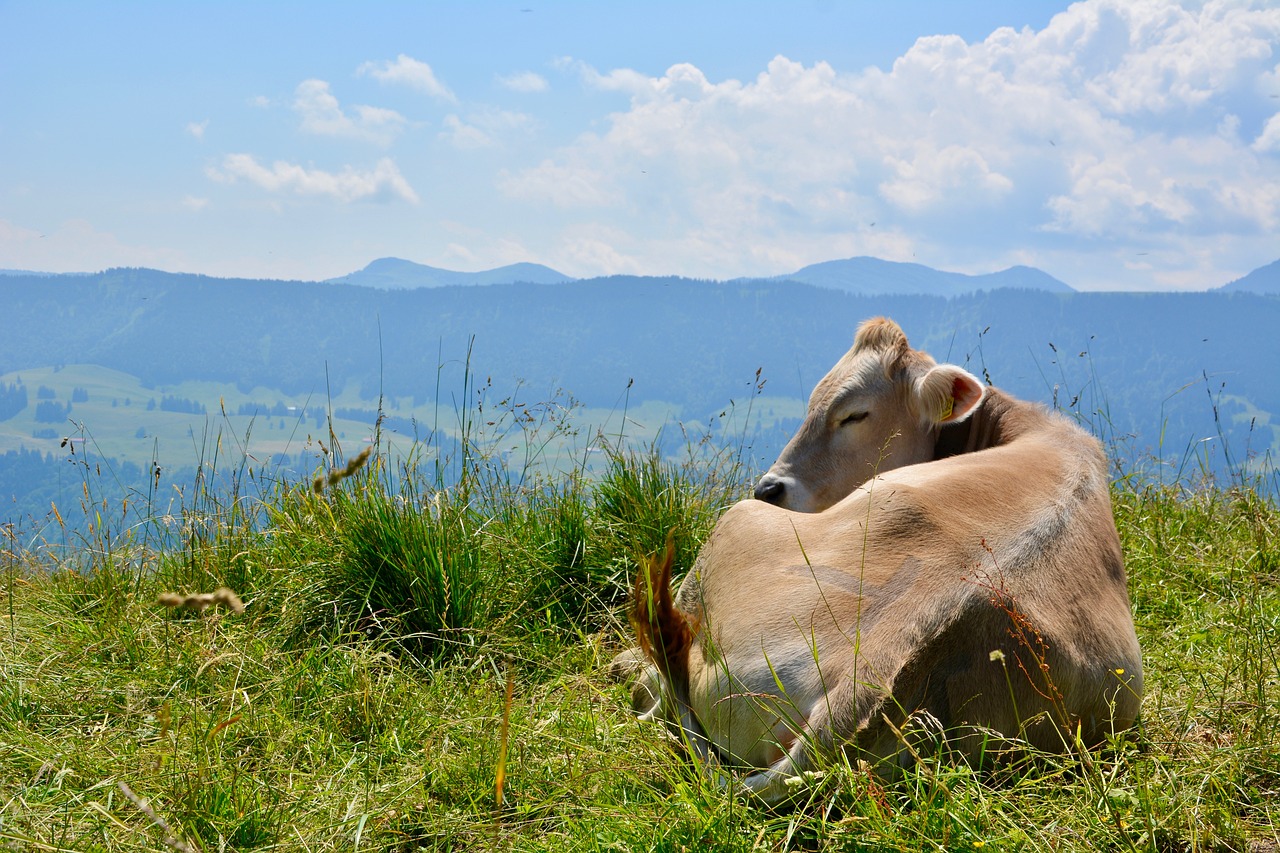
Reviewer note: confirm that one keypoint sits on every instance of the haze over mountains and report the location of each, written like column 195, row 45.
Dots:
column 864, row 275
column 145, row 362
column 877, row 277
column 397, row 274
column 854, row 275
column 861, row 275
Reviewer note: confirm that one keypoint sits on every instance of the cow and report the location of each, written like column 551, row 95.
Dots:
column 883, row 406
column 863, row 404
column 967, row 594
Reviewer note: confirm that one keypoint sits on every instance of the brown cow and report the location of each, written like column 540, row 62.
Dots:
column 881, row 407
column 982, row 594
column 881, row 393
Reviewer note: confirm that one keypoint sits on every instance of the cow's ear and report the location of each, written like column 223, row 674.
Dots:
column 947, row 394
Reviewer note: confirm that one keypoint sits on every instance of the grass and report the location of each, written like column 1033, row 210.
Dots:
column 359, row 701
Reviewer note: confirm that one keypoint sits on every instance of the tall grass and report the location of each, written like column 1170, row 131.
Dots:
column 360, row 701
column 388, row 566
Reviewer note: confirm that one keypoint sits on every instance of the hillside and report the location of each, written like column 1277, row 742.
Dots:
column 1183, row 376
column 686, row 342
column 1262, row 280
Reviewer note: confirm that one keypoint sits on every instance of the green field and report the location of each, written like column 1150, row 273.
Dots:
column 360, row 700
column 122, row 420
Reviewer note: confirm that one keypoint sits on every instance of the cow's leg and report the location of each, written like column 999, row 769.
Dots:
column 895, row 705
column 859, row 718
column 836, row 713
column 646, row 687
column 650, row 702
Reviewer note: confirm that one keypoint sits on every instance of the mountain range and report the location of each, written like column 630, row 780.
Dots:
column 683, row 341
column 398, row 274
column 859, row 275
column 853, row 275
column 862, row 275
column 130, row 356
column 874, row 276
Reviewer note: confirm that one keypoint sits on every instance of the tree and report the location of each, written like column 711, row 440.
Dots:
column 51, row 412
column 13, row 399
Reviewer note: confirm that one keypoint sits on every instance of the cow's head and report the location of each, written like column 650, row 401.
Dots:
column 879, row 408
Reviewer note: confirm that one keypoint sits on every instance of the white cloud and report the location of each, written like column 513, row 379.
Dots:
column 194, row 203
column 525, row 81
column 383, row 183
column 76, row 245
column 486, row 128
column 1120, row 120
column 1157, row 57
column 322, row 115
column 408, row 71
column 1268, row 141
column 562, row 185
column 459, row 252
column 464, row 135
column 599, row 255
column 598, row 249
column 197, row 128
column 617, row 80
column 471, row 247
column 920, row 183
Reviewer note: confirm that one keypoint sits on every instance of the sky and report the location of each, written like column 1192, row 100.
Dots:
column 1115, row 144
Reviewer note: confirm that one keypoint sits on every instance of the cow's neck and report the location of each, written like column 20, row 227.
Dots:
column 993, row 423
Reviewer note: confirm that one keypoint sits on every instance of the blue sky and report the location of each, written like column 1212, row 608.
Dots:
column 1116, row 144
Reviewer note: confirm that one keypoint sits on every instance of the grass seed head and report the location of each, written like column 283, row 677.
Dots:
column 201, row 601
column 335, row 477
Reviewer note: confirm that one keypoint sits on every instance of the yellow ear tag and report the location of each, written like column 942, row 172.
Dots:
column 948, row 406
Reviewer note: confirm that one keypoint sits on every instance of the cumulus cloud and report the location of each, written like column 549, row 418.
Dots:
column 382, row 183
column 197, row 128
column 1269, row 140
column 525, row 81
column 1119, row 120
column 562, row 185
column 485, row 128
column 920, row 183
column 407, row 71
column 321, row 114
column 464, row 135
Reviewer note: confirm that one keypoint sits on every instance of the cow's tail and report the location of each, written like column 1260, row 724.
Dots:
column 664, row 633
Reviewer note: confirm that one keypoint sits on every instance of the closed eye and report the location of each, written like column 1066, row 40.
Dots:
column 854, row 418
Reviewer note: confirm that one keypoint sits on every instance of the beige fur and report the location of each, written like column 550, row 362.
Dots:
column 881, row 407
column 981, row 593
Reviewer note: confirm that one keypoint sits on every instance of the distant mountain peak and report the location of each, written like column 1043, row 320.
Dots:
column 878, row 277
column 399, row 274
column 390, row 264
column 1265, row 279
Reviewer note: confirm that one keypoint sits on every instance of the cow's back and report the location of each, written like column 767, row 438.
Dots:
column 961, row 567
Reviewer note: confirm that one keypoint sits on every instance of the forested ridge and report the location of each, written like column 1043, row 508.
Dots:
column 1158, row 371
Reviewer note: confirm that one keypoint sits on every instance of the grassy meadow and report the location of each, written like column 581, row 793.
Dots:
column 407, row 666
column 123, row 421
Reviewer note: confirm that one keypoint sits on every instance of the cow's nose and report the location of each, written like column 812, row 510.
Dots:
column 770, row 489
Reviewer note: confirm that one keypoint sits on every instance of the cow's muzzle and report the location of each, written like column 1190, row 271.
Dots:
column 771, row 488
